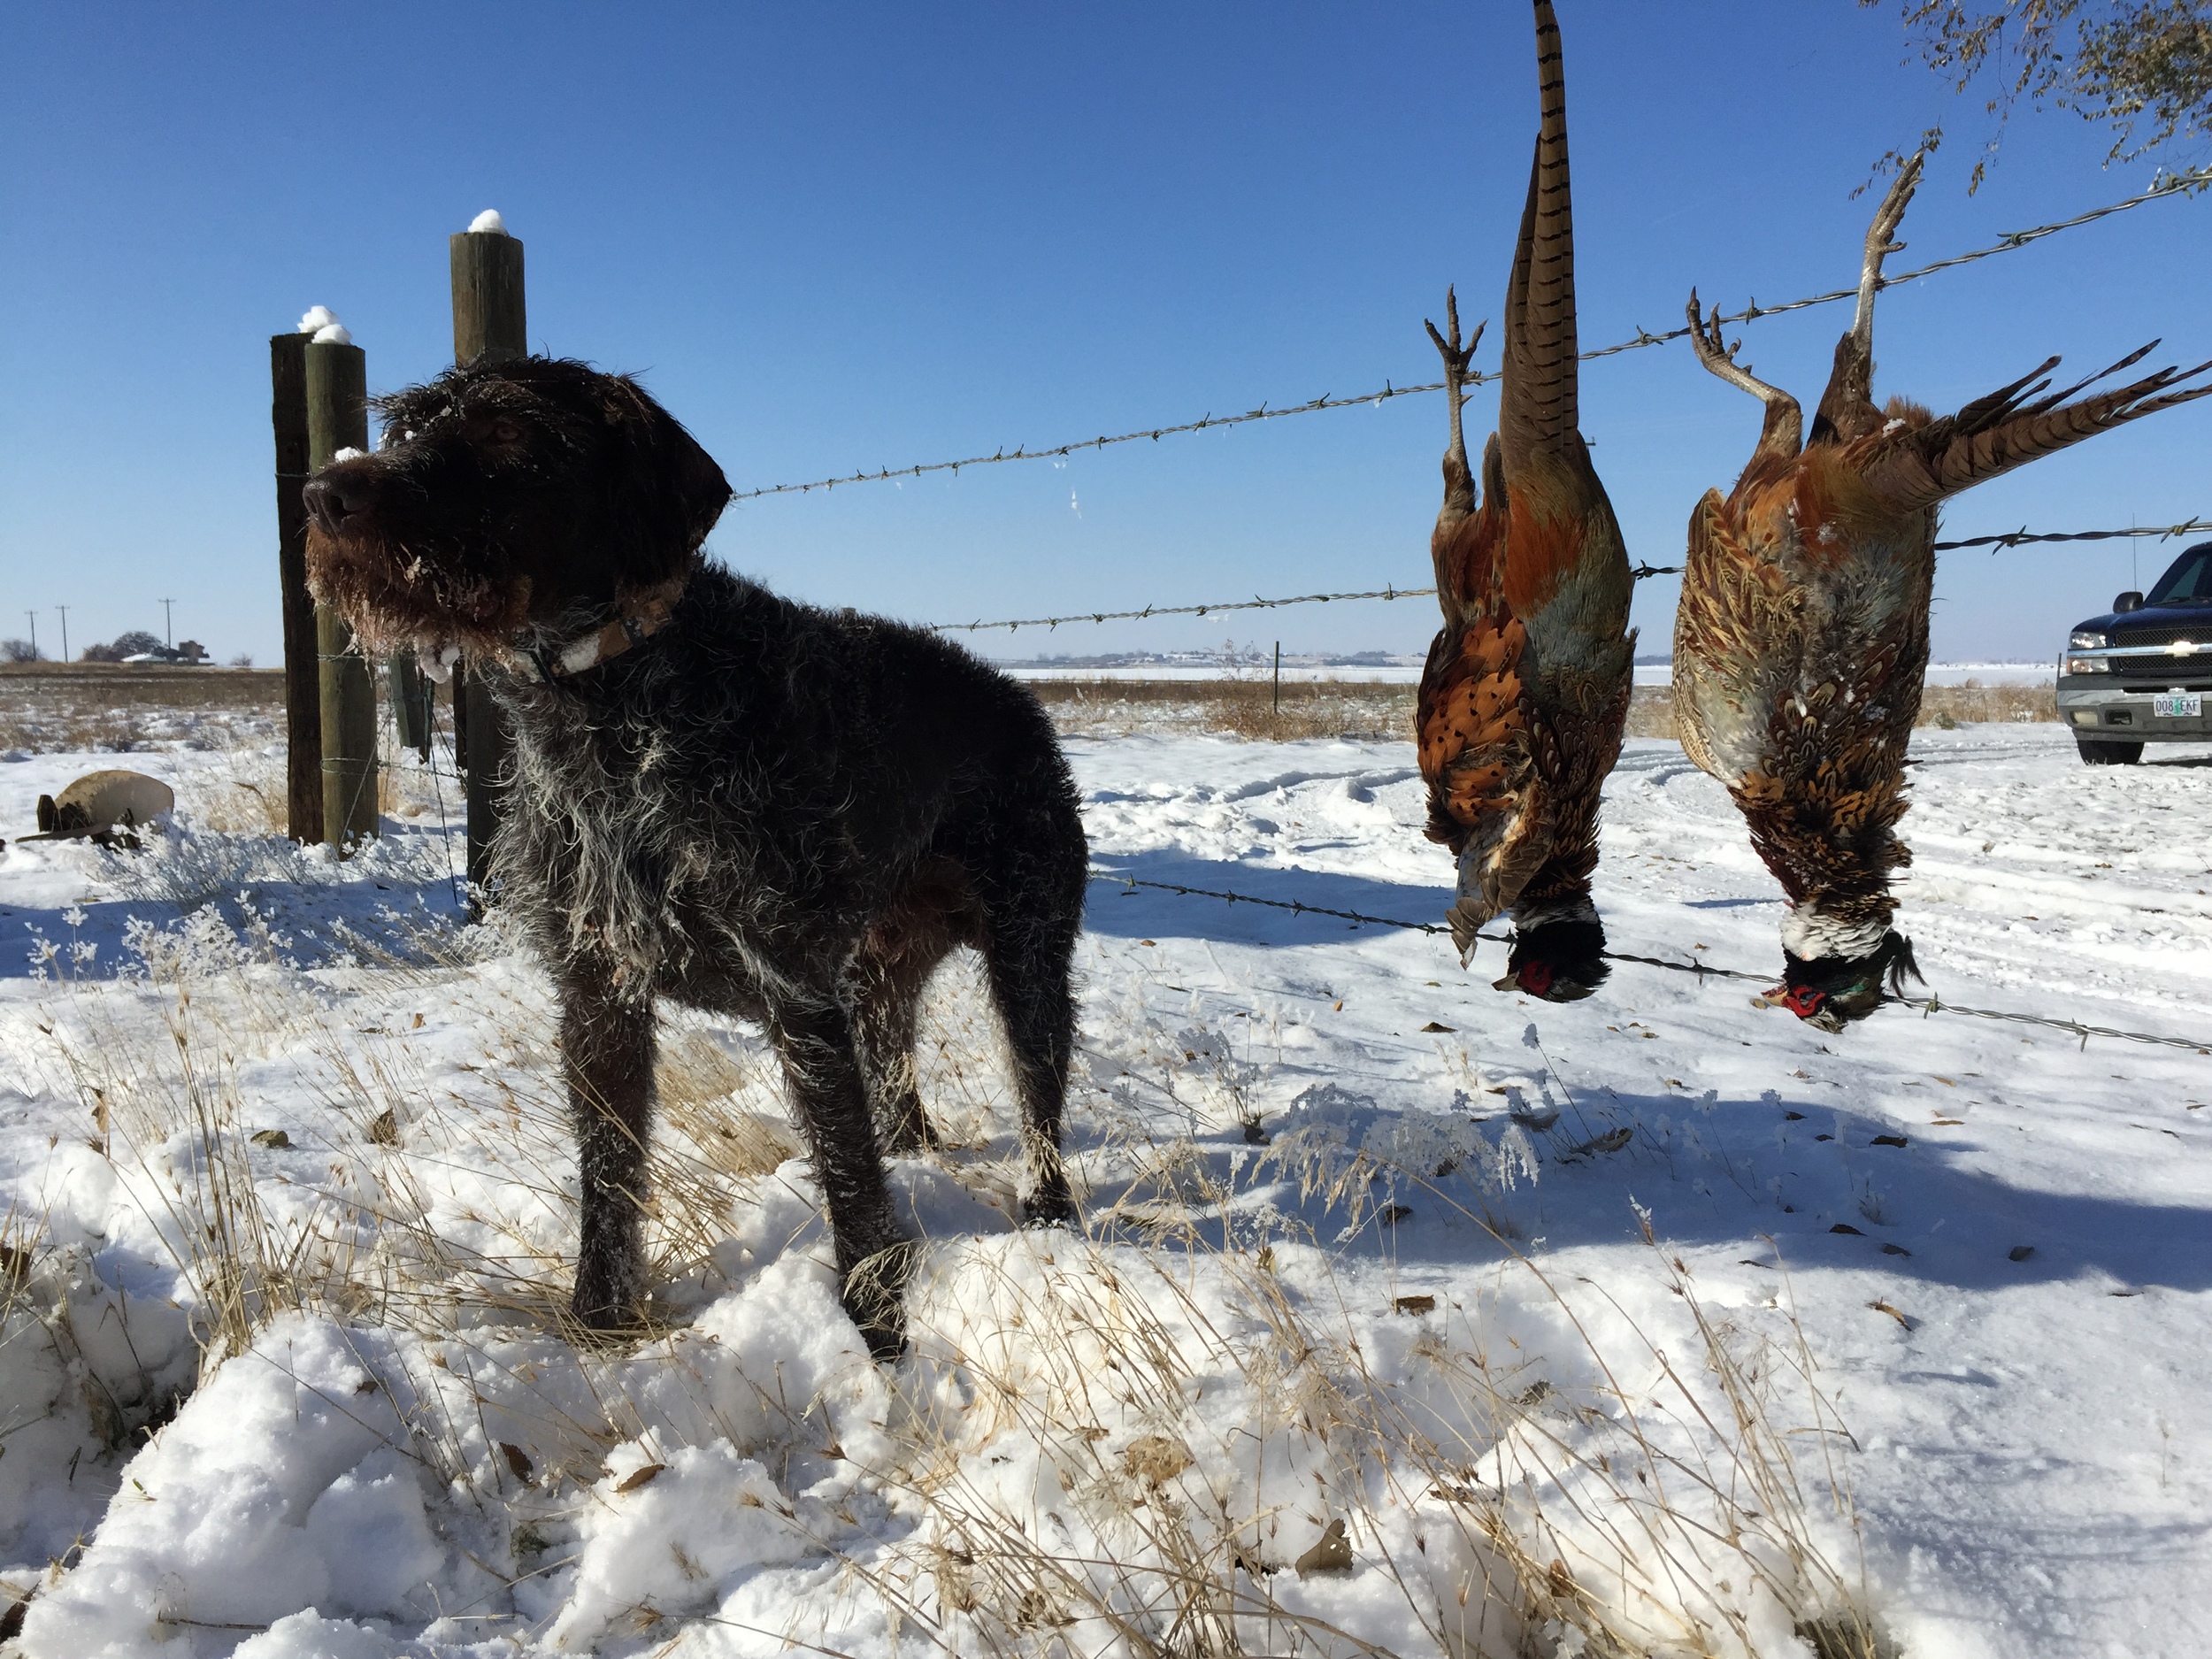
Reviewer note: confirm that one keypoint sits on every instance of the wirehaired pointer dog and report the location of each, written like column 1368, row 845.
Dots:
column 747, row 805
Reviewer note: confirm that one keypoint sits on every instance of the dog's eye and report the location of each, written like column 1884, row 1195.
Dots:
column 506, row 432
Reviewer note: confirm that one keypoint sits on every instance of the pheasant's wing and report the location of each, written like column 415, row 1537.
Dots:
column 1737, row 631
column 1473, row 728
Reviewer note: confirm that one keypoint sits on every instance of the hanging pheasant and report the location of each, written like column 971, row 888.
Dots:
column 1526, row 688
column 1802, row 635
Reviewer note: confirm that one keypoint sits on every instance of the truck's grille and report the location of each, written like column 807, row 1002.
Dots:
column 2169, row 635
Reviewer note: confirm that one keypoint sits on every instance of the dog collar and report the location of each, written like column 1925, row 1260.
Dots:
column 639, row 620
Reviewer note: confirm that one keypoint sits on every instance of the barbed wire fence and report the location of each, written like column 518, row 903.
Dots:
column 2008, row 539
column 2170, row 185
column 1925, row 1005
column 2177, row 184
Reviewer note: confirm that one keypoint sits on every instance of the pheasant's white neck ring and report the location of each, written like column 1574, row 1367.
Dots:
column 1809, row 933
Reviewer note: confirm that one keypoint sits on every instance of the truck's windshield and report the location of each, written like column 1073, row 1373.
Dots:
column 2190, row 580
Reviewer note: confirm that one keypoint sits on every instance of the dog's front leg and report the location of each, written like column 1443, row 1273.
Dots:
column 821, row 1064
column 607, row 1056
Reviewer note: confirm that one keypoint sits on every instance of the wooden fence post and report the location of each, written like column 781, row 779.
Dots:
column 338, row 418
column 490, row 325
column 303, row 693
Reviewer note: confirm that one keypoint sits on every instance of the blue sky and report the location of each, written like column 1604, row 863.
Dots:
column 853, row 237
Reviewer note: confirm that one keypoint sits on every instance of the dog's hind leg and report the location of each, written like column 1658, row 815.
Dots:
column 607, row 1058
column 886, row 996
column 814, row 1039
column 1030, row 956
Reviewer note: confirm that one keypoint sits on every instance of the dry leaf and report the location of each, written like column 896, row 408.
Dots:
column 273, row 1138
column 1414, row 1304
column 517, row 1458
column 385, row 1130
column 638, row 1476
column 1333, row 1554
column 2019, row 1252
column 1883, row 1306
column 1432, row 1026
column 1887, row 1140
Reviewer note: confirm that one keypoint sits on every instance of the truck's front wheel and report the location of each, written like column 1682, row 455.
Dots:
column 2104, row 752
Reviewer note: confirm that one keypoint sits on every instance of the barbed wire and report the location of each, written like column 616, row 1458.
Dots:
column 1254, row 603
column 2172, row 184
column 1925, row 1005
column 2016, row 537
column 2010, row 538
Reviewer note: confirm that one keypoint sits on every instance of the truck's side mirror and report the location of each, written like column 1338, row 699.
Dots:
column 2126, row 602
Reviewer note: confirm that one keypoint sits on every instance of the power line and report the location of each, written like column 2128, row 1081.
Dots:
column 1926, row 1005
column 2172, row 184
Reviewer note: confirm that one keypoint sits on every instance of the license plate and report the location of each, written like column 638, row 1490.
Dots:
column 2182, row 704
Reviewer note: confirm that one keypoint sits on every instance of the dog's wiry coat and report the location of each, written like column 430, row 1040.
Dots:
column 765, row 811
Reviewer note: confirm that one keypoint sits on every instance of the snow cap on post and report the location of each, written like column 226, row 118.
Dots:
column 322, row 324
column 489, row 223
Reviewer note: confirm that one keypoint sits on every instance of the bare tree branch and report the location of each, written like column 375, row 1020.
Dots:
column 2143, row 67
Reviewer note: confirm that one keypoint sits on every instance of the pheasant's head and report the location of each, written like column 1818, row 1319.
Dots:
column 1833, row 992
column 1561, row 961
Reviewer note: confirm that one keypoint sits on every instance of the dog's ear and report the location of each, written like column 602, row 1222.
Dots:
column 670, row 489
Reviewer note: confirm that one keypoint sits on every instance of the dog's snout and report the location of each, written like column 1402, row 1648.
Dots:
column 332, row 501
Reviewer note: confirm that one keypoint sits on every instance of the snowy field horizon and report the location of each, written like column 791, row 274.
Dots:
column 1408, row 1317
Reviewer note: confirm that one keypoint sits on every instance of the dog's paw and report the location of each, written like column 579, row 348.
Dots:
column 1050, row 1207
column 605, row 1305
column 886, row 1341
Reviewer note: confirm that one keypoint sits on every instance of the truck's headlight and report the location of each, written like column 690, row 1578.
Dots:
column 2087, row 641
column 2088, row 666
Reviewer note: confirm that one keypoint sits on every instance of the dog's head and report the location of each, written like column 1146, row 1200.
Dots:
column 508, row 502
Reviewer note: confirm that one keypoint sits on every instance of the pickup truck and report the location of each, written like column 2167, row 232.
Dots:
column 2139, row 674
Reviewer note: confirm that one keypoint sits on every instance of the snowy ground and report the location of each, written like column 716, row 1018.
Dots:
column 1917, row 1328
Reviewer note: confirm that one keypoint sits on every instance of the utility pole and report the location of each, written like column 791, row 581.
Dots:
column 33, row 615
column 168, row 636
column 65, row 631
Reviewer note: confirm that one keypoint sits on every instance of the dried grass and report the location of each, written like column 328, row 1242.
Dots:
column 1245, row 709
column 1586, row 1502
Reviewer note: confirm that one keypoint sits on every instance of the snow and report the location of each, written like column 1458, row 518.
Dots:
column 318, row 318
column 347, row 452
column 489, row 223
column 1979, row 1351
column 332, row 334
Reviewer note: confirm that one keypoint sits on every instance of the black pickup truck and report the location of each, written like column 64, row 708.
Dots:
column 2139, row 675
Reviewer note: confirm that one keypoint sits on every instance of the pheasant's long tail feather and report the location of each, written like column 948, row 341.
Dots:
column 1539, row 401
column 2003, row 435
